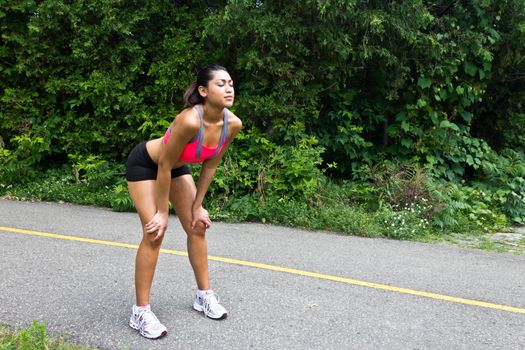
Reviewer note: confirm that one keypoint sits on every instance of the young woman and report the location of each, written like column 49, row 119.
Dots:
column 157, row 172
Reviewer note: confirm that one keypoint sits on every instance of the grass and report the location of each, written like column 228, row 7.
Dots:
column 350, row 208
column 34, row 338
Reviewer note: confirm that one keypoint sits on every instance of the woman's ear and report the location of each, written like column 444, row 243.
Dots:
column 203, row 91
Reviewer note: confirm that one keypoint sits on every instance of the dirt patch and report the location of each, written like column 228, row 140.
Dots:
column 505, row 242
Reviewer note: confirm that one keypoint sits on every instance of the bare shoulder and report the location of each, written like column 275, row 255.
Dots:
column 234, row 121
column 187, row 121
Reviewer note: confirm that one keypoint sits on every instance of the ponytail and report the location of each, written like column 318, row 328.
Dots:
column 191, row 96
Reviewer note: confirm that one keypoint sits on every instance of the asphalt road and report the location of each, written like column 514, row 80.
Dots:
column 366, row 293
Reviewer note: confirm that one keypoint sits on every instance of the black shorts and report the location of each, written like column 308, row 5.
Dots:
column 140, row 166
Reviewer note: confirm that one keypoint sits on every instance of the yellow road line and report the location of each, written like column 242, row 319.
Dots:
column 285, row 270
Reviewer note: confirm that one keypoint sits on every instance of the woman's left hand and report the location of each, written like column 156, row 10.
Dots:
column 199, row 214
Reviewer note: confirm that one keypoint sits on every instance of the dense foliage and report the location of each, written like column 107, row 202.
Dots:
column 406, row 105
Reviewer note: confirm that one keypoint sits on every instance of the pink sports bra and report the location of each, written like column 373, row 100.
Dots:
column 195, row 151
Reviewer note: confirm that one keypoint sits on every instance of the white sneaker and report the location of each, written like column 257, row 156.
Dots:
column 145, row 321
column 209, row 305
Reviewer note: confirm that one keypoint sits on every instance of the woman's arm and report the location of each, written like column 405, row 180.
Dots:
column 208, row 169
column 186, row 126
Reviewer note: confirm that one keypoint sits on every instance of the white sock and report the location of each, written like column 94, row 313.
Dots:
column 201, row 293
column 143, row 308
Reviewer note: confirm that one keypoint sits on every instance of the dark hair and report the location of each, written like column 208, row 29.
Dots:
column 191, row 96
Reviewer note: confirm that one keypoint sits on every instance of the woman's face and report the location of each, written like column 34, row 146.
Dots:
column 220, row 90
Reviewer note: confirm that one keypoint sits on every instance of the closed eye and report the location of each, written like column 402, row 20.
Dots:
column 224, row 81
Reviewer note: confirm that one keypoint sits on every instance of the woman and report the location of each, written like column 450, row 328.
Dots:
column 157, row 172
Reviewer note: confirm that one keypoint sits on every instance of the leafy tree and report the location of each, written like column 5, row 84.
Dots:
column 338, row 86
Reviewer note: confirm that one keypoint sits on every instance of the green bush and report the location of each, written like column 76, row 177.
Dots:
column 409, row 222
column 288, row 170
column 329, row 92
column 22, row 164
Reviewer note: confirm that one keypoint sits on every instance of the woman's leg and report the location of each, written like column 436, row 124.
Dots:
column 143, row 195
column 182, row 195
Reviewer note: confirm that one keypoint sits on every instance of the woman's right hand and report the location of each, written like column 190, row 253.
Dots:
column 158, row 224
column 201, row 215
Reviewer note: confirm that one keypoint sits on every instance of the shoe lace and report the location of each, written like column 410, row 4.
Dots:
column 147, row 318
column 209, row 302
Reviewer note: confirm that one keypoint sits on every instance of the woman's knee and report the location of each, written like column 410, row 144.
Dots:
column 198, row 231
column 149, row 239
